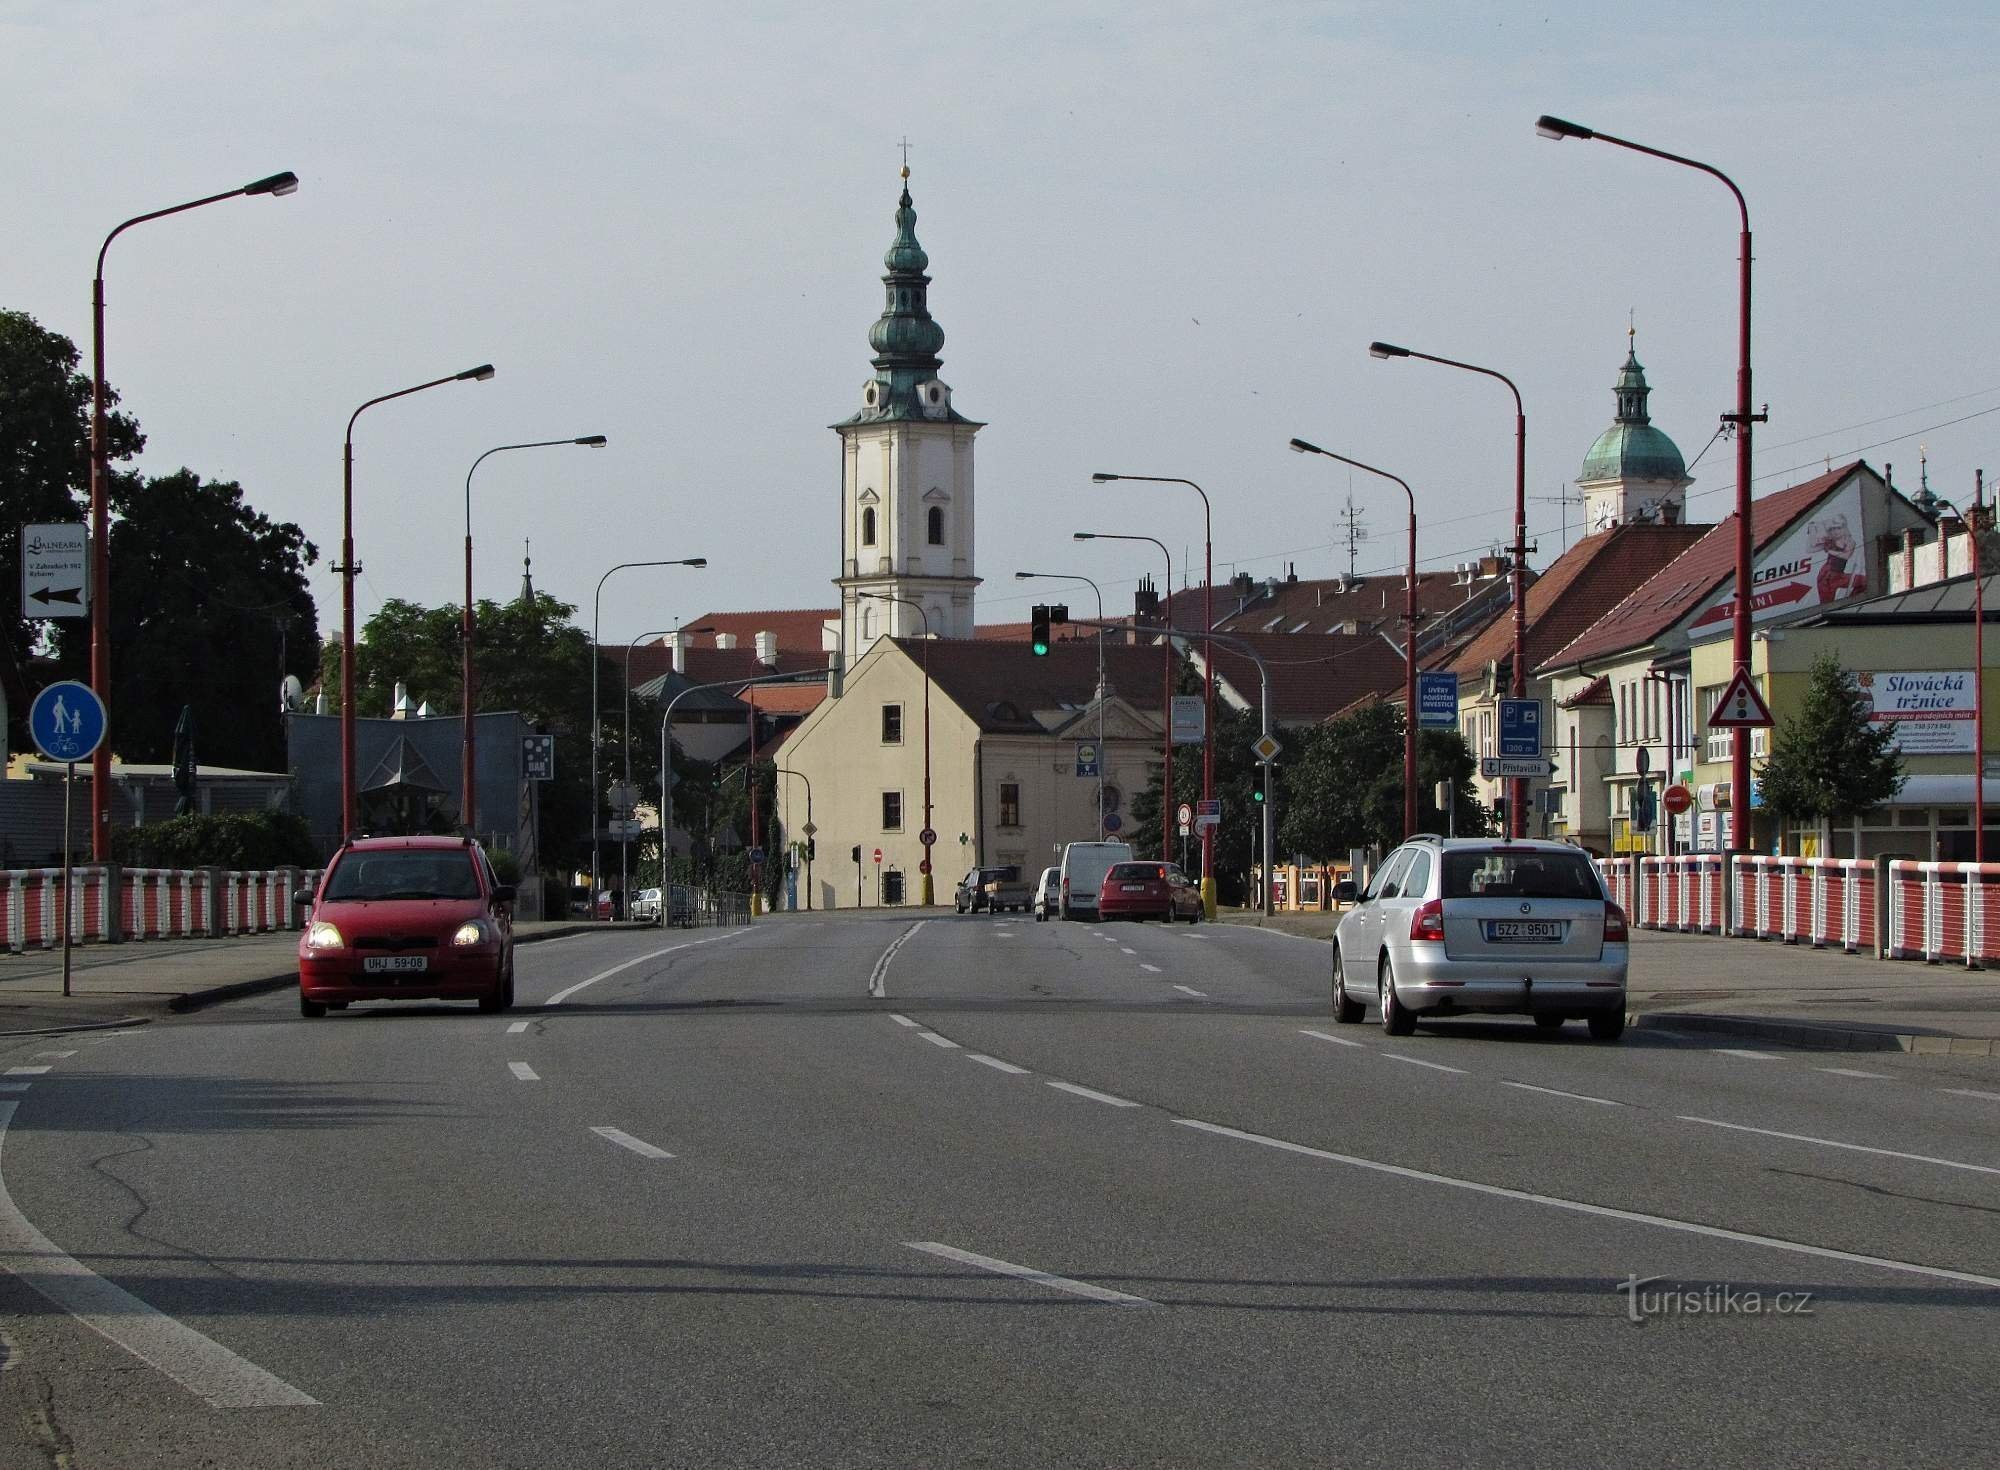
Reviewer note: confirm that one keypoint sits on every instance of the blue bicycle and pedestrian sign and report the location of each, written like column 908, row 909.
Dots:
column 67, row 721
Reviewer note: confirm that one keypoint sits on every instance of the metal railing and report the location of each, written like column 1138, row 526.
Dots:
column 684, row 906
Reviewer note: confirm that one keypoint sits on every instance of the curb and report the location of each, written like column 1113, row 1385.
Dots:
column 194, row 1000
column 1820, row 1037
column 82, row 1026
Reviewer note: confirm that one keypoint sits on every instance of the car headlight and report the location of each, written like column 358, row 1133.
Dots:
column 324, row 936
column 473, row 931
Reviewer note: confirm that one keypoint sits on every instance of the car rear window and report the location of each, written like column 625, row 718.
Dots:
column 1519, row 875
column 1134, row 872
column 361, row 876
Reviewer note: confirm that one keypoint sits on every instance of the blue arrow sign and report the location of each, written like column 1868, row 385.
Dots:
column 1437, row 701
column 67, row 721
column 1520, row 727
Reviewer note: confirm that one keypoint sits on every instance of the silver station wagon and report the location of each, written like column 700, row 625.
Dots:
column 1473, row 926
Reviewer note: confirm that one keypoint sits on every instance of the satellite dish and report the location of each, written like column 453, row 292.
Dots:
column 291, row 694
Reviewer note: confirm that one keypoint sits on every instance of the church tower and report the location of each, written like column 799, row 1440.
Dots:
column 906, row 472
column 1633, row 471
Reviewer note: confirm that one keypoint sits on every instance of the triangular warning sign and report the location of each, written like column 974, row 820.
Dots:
column 1740, row 705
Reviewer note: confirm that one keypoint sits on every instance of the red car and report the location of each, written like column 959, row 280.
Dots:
column 1148, row 891
column 408, row 918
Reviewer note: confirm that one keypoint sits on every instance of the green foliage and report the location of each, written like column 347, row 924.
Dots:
column 506, row 864
column 1828, row 760
column 1344, row 785
column 262, row 839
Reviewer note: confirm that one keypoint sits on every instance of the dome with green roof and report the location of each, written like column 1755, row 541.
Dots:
column 1632, row 449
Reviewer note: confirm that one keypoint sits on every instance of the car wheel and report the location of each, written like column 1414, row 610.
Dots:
column 1346, row 1010
column 336, row 1005
column 1607, row 1025
column 312, row 1010
column 497, row 999
column 1396, row 1021
column 1548, row 1022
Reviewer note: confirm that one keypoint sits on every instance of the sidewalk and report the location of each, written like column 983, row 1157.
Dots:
column 110, row 983
column 1783, row 992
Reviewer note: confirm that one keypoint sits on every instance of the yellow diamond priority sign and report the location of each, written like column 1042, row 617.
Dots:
column 1265, row 747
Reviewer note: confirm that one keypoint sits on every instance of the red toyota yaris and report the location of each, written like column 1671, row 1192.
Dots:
column 408, row 918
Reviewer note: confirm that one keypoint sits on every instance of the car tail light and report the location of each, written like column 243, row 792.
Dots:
column 1428, row 922
column 1615, row 930
column 1065, row 883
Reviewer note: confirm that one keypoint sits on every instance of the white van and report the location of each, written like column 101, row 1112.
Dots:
column 1084, row 865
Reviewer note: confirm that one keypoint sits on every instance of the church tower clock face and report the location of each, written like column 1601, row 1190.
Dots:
column 906, row 472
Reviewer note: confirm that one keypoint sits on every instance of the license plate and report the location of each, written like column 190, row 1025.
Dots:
column 1131, row 887
column 396, row 964
column 1533, row 931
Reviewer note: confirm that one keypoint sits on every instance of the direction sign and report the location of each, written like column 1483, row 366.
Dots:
column 1520, row 727
column 1741, row 706
column 1086, row 757
column 1208, row 813
column 1513, row 766
column 55, row 571
column 624, row 829
column 1677, row 800
column 1186, row 719
column 927, row 837
column 1265, row 748
column 1437, row 701
column 538, row 757
column 67, row 721
column 1184, row 814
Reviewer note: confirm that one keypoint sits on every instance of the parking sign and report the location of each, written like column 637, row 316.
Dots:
column 1520, row 727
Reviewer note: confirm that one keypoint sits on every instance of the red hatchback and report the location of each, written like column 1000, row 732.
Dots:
column 1148, row 891
column 408, row 918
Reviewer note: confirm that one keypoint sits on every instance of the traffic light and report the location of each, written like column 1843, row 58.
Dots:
column 1257, row 795
column 1038, row 636
column 855, row 856
column 812, row 849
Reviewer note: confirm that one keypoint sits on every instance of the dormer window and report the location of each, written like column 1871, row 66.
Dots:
column 936, row 520
column 868, row 525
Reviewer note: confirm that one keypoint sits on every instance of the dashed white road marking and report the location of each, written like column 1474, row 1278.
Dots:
column 1859, row 1148
column 1558, row 1092
column 1155, row 969
column 903, row 1020
column 562, row 995
column 1851, row 1072
column 199, row 1364
column 1029, row 1273
column 26, row 1071
column 1327, row 1036
column 1605, row 1212
column 1190, row 990
column 516, row 1028
column 936, row 1040
column 996, row 1064
column 878, row 978
column 1390, row 1056
column 638, row 1146
column 1753, row 1056
column 15, row 1086
column 1123, row 950
column 1103, row 1097
column 1971, row 1092
column 523, row 1072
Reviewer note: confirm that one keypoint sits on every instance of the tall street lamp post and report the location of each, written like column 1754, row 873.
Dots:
column 1742, row 420
column 348, row 568
column 1208, row 694
column 596, row 734
column 1101, row 752
column 926, row 891
column 467, row 806
column 1974, row 526
column 1409, row 637
column 277, row 185
column 810, row 829
column 1517, row 789
column 1166, row 687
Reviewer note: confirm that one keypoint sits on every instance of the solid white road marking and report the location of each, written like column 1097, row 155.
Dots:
column 1850, row 1072
column 1103, row 1097
column 1190, row 990
column 58, row 1055
column 1753, row 1056
column 1558, row 1092
column 26, row 1071
column 638, row 1146
column 902, row 1020
column 516, row 1028
column 15, row 1086
column 996, row 1064
column 1390, row 1056
column 199, row 1364
column 1324, row 1036
column 1859, row 1148
column 878, row 978
column 1971, row 1092
column 562, row 995
column 523, row 1072
column 1606, row 1212
column 1154, row 968
column 936, row 1040
column 1028, row 1273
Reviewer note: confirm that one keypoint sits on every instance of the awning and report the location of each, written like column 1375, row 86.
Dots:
column 1950, row 789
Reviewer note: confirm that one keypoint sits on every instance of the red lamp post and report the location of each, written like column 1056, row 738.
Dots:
column 1409, row 637
column 1742, row 419
column 1166, row 686
column 277, row 185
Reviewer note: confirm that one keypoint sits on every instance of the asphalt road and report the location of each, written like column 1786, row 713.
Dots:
column 856, row 1190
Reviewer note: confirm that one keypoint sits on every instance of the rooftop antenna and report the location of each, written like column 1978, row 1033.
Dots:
column 1570, row 496
column 1352, row 529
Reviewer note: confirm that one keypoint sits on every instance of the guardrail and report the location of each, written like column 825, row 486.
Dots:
column 109, row 904
column 683, row 906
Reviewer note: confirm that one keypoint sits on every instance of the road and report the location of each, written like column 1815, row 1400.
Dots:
column 870, row 1190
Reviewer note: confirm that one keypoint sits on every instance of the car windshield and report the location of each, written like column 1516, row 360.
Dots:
column 1135, row 872
column 361, row 876
column 1500, row 874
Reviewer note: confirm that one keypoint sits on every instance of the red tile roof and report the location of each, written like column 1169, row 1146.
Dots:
column 798, row 629
column 1000, row 685
column 1674, row 591
column 785, row 699
column 1597, row 691
column 1323, row 606
column 707, row 665
column 1313, row 675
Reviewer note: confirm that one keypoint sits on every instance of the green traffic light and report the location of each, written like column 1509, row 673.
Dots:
column 1040, row 649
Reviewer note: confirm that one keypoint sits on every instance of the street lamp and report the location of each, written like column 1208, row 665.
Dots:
column 596, row 734
column 1409, row 637
column 1166, row 687
column 467, row 814
column 277, row 186
column 1742, row 419
column 1101, row 752
column 347, row 570
column 1517, row 788
column 810, row 829
column 925, row 892
column 1208, row 696
column 1972, row 526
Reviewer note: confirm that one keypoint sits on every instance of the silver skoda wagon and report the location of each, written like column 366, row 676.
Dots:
column 1482, row 926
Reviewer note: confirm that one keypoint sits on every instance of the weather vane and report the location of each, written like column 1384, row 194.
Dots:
column 905, row 146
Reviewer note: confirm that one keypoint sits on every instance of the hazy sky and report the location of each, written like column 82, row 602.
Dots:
column 1161, row 237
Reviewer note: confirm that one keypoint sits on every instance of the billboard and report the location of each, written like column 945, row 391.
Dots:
column 1819, row 561
column 1931, row 712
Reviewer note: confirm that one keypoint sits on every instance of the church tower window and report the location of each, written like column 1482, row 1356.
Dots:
column 937, row 525
column 868, row 525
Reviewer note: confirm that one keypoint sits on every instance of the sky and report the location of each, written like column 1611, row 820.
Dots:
column 1161, row 238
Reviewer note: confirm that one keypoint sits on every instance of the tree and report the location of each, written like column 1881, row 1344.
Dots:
column 44, row 477
column 1344, row 784
column 1828, row 760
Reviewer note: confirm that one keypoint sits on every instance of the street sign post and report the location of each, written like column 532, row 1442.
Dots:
column 1086, row 757
column 1677, row 800
column 1740, row 706
column 1208, row 813
column 538, row 757
column 1437, row 701
column 1112, row 821
column 67, row 722
column 927, row 837
column 1521, row 728
column 55, row 571
column 1187, row 719
column 1497, row 767
column 1265, row 748
column 878, row 857
column 1184, row 814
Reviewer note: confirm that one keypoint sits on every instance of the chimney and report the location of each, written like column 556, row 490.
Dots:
column 1146, row 601
column 680, row 652
column 767, row 650
column 401, row 708
column 1291, row 573
column 725, row 640
column 1243, row 584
